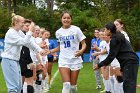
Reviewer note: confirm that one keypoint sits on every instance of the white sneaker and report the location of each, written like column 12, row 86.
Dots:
column 98, row 87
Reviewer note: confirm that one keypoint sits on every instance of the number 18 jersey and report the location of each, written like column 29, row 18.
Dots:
column 69, row 40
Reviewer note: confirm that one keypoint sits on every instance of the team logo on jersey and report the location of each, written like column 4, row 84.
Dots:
column 66, row 38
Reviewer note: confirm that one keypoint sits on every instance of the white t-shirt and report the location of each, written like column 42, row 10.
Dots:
column 69, row 40
column 102, row 46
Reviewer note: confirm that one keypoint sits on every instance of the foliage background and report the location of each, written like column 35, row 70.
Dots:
column 87, row 14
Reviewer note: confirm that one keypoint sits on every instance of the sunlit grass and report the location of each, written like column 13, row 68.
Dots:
column 86, row 81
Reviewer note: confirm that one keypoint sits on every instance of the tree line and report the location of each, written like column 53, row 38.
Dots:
column 87, row 14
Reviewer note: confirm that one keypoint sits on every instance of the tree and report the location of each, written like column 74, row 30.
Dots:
column 9, row 7
column 14, row 6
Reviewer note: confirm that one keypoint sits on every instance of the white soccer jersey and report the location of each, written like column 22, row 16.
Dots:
column 69, row 40
column 102, row 46
column 33, row 52
column 38, row 41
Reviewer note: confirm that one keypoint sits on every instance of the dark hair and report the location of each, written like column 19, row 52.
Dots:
column 64, row 12
column 111, row 26
column 27, row 21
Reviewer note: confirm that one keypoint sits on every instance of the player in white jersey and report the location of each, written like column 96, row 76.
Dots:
column 40, row 61
column 70, row 61
column 114, row 85
column 102, row 52
column 14, row 40
column 44, row 41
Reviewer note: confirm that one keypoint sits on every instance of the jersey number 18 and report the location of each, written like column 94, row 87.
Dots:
column 66, row 44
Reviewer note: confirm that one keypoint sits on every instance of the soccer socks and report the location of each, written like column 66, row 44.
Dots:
column 118, row 87
column 30, row 89
column 107, row 85
column 38, row 88
column 73, row 88
column 112, row 83
column 120, row 79
column 66, row 87
column 38, row 84
column 121, row 88
column 27, row 88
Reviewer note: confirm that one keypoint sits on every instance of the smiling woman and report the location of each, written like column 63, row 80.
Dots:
column 70, row 61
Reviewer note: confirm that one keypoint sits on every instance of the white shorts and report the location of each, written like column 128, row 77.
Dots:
column 44, row 59
column 72, row 67
column 115, row 63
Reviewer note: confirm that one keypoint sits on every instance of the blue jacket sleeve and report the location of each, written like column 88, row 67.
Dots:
column 90, row 55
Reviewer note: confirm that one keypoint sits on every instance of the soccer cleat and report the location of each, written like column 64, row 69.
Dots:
column 98, row 87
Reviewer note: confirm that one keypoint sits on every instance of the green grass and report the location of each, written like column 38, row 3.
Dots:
column 86, row 81
column 3, row 88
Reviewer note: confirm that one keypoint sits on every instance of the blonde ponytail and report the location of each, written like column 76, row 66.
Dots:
column 15, row 18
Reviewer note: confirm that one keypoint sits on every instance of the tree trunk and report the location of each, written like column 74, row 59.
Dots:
column 34, row 2
column 9, row 7
column 14, row 5
column 50, row 5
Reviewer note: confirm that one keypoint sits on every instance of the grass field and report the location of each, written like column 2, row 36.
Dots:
column 86, row 82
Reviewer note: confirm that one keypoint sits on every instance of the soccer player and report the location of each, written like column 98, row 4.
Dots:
column 14, row 40
column 38, row 60
column 51, row 57
column 25, row 61
column 121, row 49
column 44, row 41
column 102, row 53
column 70, row 61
